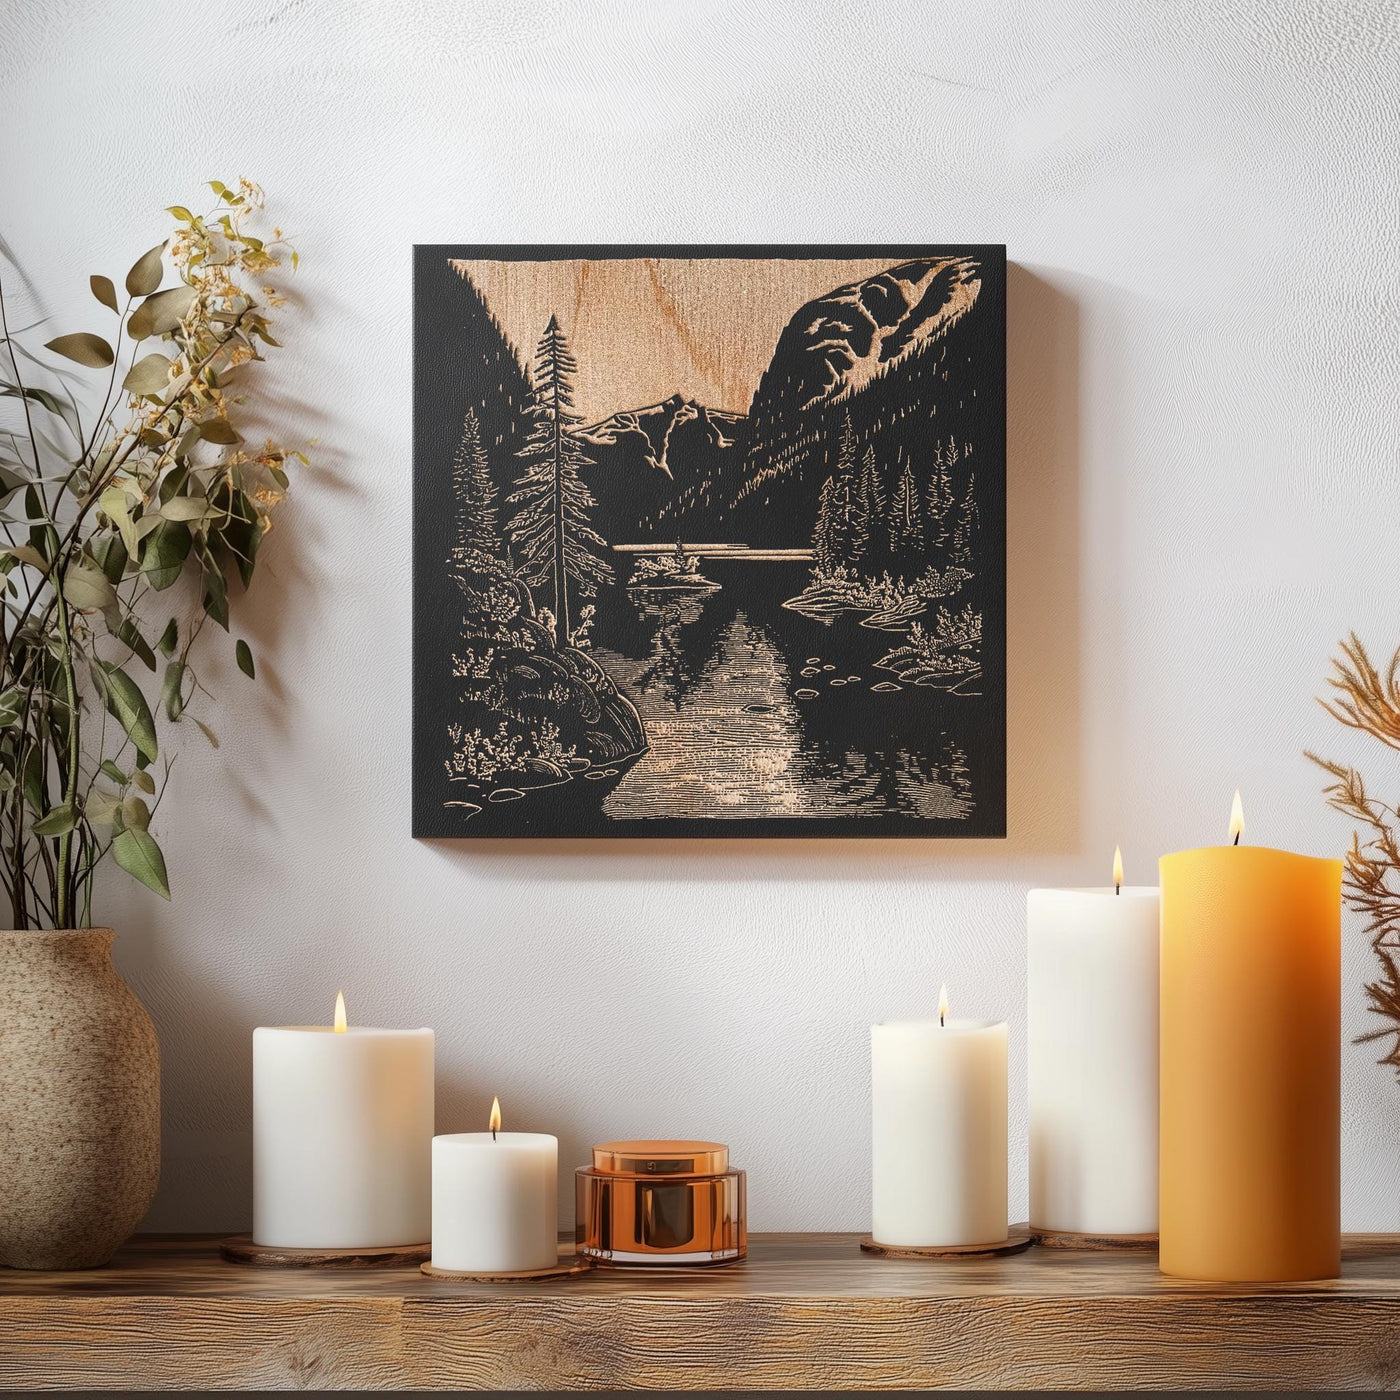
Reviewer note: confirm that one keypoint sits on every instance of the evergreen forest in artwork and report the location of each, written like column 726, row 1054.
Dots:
column 709, row 541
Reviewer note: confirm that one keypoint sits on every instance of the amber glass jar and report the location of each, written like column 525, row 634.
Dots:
column 660, row 1203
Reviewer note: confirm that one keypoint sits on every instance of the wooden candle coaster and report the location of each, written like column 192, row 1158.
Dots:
column 1018, row 1237
column 240, row 1249
column 569, row 1264
column 1070, row 1239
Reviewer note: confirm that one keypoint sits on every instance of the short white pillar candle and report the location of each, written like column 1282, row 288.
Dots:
column 1092, row 981
column 939, row 1132
column 342, row 1133
column 495, row 1201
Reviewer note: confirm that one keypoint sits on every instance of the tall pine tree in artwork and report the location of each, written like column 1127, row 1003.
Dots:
column 823, row 555
column 906, row 519
column 474, row 527
column 846, row 537
column 965, row 531
column 870, row 502
column 940, row 499
column 550, row 530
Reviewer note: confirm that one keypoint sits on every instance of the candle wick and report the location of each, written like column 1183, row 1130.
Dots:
column 1117, row 888
column 1237, row 838
column 940, row 1018
column 493, row 1135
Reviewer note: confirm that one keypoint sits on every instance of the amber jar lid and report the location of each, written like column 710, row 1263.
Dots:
column 663, row 1157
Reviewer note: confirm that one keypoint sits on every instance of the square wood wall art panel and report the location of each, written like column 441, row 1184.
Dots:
column 709, row 541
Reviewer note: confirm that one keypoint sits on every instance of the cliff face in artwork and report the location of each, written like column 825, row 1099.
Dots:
column 838, row 344
column 891, row 352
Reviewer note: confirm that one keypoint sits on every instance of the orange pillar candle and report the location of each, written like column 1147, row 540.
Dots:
column 1250, row 1064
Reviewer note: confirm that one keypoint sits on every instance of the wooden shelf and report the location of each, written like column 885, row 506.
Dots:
column 804, row 1312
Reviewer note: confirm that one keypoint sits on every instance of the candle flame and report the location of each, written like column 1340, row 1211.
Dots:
column 1236, row 818
column 942, row 1003
column 1118, row 867
column 495, row 1124
column 340, row 1012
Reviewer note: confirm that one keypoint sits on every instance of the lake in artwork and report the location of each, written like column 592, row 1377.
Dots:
column 709, row 542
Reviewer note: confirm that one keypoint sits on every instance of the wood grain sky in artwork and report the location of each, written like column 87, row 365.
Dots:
column 643, row 329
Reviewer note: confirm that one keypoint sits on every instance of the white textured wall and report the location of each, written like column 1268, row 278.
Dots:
column 1201, row 203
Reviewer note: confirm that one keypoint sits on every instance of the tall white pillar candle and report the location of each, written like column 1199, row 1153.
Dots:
column 495, row 1201
column 342, row 1135
column 939, row 1132
column 1093, row 978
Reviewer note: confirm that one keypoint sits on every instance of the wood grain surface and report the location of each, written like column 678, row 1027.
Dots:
column 803, row 1312
column 1071, row 1239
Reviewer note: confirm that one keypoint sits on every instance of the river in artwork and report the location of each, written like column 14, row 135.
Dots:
column 754, row 710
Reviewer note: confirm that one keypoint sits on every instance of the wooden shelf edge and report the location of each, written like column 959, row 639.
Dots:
column 805, row 1312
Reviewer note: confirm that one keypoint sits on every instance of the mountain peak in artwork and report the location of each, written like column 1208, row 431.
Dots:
column 650, row 431
column 842, row 341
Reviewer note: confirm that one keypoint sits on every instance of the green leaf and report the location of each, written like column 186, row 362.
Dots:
column 170, row 695
column 135, row 813
column 185, row 508
column 219, row 431
column 58, row 822
column 169, row 639
column 173, row 482
column 137, row 853
column 164, row 552
column 208, row 733
column 88, row 590
column 216, row 597
column 180, row 212
column 111, row 555
column 144, row 781
column 245, row 659
column 128, row 707
column 146, row 273
column 84, row 347
column 242, row 532
column 11, row 706
column 103, row 808
column 160, row 313
column 104, row 291
column 116, row 506
column 129, row 633
column 149, row 375
column 114, row 773
column 27, row 555
column 31, row 779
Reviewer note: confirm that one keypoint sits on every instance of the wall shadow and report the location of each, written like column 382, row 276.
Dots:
column 1043, row 638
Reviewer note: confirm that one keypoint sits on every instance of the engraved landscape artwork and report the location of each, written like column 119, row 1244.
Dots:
column 709, row 541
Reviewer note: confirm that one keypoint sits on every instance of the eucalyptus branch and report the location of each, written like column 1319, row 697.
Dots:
column 172, row 491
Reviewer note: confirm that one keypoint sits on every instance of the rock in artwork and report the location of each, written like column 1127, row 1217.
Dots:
column 709, row 541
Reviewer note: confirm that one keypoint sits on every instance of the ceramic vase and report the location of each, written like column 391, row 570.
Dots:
column 79, row 1101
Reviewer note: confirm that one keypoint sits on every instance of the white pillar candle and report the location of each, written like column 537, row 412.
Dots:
column 1092, row 978
column 939, row 1132
column 495, row 1201
column 342, row 1134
